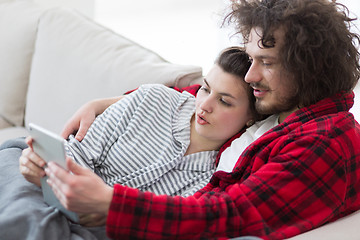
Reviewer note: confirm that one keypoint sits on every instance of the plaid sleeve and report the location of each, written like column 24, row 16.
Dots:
column 278, row 198
column 143, row 215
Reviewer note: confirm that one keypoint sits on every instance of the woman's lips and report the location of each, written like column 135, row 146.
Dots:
column 201, row 120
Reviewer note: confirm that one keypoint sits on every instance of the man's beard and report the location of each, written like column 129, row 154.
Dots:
column 284, row 104
column 279, row 104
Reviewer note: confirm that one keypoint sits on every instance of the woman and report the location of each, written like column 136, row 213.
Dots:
column 157, row 139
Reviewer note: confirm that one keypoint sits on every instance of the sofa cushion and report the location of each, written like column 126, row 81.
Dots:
column 18, row 23
column 344, row 228
column 11, row 133
column 77, row 60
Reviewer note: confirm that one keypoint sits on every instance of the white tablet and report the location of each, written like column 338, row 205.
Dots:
column 50, row 147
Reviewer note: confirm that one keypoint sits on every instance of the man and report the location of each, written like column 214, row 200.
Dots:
column 301, row 174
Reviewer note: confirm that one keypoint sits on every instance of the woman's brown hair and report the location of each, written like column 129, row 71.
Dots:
column 234, row 60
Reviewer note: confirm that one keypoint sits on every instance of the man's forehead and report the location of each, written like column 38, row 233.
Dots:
column 255, row 44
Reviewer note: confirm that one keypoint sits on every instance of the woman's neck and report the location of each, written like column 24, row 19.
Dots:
column 199, row 143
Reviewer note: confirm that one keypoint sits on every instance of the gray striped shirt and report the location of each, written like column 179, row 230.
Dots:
column 141, row 140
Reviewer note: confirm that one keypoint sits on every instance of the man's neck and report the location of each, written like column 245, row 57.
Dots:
column 284, row 115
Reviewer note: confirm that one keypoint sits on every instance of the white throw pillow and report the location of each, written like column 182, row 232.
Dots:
column 18, row 23
column 77, row 60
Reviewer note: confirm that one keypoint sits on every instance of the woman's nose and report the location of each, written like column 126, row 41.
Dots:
column 206, row 104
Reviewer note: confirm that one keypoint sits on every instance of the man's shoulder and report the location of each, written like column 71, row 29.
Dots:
column 338, row 127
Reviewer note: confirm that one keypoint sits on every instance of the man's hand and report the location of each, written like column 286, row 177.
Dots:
column 81, row 191
column 80, row 122
column 92, row 220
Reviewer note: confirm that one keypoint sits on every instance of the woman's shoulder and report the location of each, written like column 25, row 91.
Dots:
column 159, row 91
column 156, row 87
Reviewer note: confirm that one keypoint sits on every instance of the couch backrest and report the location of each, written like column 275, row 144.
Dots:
column 18, row 24
column 76, row 60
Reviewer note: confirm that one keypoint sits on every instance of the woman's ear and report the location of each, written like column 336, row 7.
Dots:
column 250, row 123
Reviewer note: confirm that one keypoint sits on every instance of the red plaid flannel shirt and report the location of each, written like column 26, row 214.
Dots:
column 300, row 175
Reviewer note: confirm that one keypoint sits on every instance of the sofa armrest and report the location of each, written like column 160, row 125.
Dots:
column 18, row 25
column 346, row 228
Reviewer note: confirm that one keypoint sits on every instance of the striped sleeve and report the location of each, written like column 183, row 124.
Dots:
column 140, row 140
column 107, row 128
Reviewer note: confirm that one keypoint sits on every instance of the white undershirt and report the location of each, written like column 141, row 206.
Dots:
column 231, row 154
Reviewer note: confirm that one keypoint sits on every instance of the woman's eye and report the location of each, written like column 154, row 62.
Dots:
column 225, row 103
column 205, row 89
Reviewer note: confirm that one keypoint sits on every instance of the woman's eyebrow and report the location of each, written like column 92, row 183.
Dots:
column 207, row 84
column 220, row 93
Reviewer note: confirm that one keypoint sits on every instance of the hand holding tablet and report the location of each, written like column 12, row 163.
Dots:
column 50, row 147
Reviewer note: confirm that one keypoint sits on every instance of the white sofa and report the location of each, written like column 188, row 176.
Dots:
column 54, row 60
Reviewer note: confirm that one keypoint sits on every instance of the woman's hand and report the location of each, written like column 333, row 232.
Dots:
column 81, row 191
column 80, row 122
column 31, row 165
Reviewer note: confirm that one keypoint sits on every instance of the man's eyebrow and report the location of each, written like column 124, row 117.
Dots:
column 220, row 93
column 262, row 57
column 266, row 57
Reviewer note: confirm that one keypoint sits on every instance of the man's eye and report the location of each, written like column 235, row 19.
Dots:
column 267, row 64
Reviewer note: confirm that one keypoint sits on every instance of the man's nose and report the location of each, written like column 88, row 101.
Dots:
column 253, row 74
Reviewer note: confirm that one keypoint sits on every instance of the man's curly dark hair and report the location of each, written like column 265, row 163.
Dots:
column 319, row 48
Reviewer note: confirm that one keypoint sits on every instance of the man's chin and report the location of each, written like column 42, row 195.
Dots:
column 269, row 109
column 264, row 109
